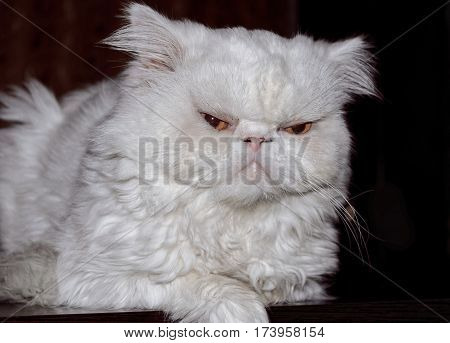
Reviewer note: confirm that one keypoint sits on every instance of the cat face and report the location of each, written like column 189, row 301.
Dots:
column 247, row 115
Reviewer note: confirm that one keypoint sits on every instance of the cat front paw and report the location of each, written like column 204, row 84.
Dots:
column 217, row 299
column 229, row 311
column 238, row 311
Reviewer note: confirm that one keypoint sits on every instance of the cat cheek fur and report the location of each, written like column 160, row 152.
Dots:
column 217, row 253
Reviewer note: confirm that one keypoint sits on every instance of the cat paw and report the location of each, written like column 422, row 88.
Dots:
column 238, row 312
column 229, row 311
column 29, row 276
column 216, row 299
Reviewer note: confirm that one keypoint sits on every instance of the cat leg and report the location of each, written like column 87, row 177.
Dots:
column 110, row 290
column 191, row 298
column 214, row 298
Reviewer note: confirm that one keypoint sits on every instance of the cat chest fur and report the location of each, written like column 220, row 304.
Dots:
column 276, row 255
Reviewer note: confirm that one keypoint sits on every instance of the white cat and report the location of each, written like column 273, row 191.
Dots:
column 204, row 181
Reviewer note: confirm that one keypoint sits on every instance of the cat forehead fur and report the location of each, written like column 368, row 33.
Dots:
column 249, row 74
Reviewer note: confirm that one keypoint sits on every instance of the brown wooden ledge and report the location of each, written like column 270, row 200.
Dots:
column 339, row 311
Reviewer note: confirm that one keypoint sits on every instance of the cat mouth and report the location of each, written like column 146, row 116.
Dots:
column 254, row 171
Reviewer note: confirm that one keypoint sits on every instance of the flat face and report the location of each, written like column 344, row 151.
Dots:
column 265, row 119
column 261, row 112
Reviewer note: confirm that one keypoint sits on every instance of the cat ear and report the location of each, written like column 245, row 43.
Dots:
column 354, row 66
column 149, row 37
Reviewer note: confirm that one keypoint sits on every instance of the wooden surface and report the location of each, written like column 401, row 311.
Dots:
column 437, row 310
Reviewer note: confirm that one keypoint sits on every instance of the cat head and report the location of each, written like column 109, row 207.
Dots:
column 245, row 115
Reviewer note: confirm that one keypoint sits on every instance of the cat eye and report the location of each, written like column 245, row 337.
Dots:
column 298, row 129
column 216, row 123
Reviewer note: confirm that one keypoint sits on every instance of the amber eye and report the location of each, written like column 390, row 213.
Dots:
column 215, row 122
column 299, row 128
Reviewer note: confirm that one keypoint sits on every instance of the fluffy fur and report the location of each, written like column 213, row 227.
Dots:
column 73, row 199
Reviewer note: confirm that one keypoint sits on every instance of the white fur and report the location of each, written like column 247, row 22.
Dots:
column 69, row 176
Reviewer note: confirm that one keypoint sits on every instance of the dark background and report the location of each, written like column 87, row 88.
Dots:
column 401, row 161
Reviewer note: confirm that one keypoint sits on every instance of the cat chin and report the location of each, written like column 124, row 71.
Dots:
column 246, row 194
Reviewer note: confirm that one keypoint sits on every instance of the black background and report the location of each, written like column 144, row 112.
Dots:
column 401, row 146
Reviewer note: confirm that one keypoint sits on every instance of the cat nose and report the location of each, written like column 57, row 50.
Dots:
column 255, row 142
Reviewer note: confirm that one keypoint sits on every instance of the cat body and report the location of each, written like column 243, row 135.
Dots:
column 79, row 203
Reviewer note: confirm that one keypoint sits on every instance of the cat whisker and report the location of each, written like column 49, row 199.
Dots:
column 361, row 194
column 350, row 221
